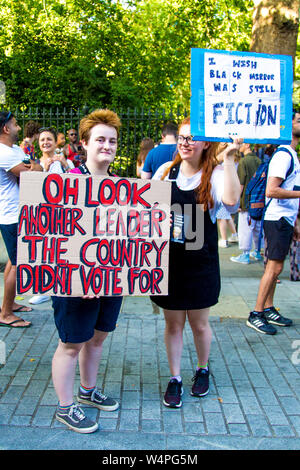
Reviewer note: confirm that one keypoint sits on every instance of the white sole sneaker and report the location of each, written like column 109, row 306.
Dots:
column 39, row 299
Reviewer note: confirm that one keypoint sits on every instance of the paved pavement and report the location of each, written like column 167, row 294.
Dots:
column 254, row 401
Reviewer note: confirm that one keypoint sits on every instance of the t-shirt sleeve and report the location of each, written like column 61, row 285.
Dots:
column 148, row 163
column 14, row 158
column 160, row 171
column 279, row 165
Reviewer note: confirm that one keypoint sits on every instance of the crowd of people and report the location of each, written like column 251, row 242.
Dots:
column 207, row 175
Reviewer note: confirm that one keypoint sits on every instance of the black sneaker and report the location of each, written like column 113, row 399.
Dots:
column 98, row 399
column 172, row 397
column 274, row 317
column 76, row 420
column 200, row 386
column 260, row 324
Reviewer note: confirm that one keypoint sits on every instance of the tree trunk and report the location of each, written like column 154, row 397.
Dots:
column 275, row 27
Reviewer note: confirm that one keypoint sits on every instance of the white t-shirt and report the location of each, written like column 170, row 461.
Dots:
column 279, row 166
column 188, row 183
column 9, row 188
column 55, row 167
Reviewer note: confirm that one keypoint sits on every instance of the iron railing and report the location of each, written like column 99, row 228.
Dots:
column 136, row 124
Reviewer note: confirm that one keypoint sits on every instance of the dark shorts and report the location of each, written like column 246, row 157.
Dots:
column 279, row 235
column 77, row 319
column 10, row 238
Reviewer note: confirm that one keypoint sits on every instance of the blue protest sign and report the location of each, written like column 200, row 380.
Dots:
column 241, row 94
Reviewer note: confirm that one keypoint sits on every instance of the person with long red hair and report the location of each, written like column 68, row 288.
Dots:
column 199, row 188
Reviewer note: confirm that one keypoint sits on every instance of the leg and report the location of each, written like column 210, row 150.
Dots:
column 6, row 314
column 223, row 228
column 268, row 284
column 89, row 359
column 63, row 370
column 175, row 320
column 231, row 226
column 198, row 320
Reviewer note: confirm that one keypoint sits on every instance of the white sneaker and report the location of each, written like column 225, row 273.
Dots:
column 233, row 238
column 39, row 299
column 223, row 243
column 243, row 258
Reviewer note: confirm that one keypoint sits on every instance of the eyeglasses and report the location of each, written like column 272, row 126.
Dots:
column 73, row 133
column 189, row 140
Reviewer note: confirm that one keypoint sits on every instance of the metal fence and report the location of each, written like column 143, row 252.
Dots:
column 136, row 124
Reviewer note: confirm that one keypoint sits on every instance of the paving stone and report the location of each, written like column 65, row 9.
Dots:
column 259, row 425
column 254, row 402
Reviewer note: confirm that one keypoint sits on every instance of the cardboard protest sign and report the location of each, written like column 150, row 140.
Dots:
column 91, row 235
column 242, row 94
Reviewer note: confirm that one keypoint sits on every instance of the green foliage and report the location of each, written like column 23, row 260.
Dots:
column 134, row 53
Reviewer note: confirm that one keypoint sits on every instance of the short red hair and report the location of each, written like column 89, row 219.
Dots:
column 99, row 116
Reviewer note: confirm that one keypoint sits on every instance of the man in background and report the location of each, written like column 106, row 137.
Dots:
column 163, row 153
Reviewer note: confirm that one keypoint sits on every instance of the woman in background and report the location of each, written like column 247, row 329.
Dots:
column 146, row 145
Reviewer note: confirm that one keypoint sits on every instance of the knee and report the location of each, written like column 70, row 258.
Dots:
column 200, row 328
column 275, row 269
column 174, row 328
column 69, row 349
column 97, row 340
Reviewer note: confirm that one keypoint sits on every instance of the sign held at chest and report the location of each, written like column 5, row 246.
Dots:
column 92, row 235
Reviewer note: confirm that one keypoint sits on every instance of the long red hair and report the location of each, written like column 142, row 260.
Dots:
column 207, row 162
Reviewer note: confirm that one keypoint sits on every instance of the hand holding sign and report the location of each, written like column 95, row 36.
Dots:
column 92, row 236
column 241, row 93
column 231, row 150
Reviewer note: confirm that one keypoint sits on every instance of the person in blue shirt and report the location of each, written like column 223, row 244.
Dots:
column 163, row 153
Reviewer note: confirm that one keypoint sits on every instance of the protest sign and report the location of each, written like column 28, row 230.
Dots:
column 92, row 235
column 241, row 94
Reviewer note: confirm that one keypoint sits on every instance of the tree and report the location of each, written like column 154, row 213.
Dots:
column 275, row 26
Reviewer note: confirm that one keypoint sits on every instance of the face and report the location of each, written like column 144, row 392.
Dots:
column 189, row 152
column 61, row 140
column 102, row 144
column 72, row 135
column 47, row 142
column 14, row 129
column 296, row 125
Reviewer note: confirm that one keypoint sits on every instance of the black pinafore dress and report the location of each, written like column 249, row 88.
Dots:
column 194, row 275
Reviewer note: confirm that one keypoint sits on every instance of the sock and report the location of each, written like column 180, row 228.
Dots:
column 64, row 409
column 86, row 390
column 255, row 312
column 204, row 366
column 177, row 377
column 246, row 252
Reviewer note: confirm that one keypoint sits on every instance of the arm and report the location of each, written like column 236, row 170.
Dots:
column 146, row 175
column 232, row 186
column 33, row 166
column 273, row 189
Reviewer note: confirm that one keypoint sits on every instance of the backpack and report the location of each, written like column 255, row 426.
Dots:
column 255, row 194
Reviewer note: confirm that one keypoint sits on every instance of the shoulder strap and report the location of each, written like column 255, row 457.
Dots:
column 291, row 168
column 174, row 172
column 84, row 169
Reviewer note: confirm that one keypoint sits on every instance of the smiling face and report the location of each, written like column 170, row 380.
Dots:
column 47, row 142
column 190, row 153
column 102, row 145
